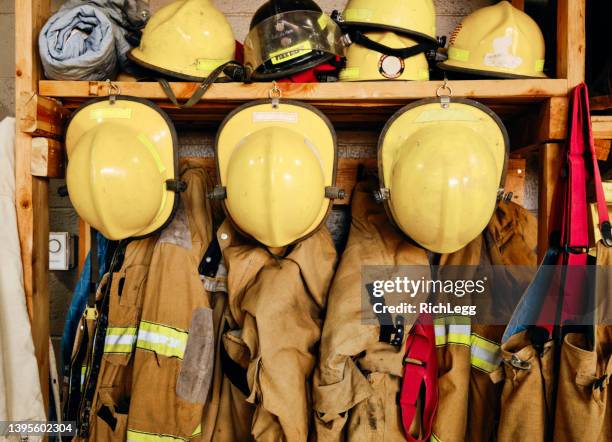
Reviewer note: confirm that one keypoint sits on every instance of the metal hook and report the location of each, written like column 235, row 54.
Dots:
column 113, row 91
column 275, row 94
column 445, row 98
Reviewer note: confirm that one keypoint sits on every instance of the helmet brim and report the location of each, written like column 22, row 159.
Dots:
column 308, row 121
column 149, row 120
column 451, row 66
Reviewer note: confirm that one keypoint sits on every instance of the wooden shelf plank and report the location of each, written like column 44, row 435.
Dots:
column 369, row 92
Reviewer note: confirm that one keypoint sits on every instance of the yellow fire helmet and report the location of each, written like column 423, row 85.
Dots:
column 186, row 39
column 441, row 170
column 276, row 164
column 413, row 18
column 122, row 166
column 366, row 64
column 497, row 41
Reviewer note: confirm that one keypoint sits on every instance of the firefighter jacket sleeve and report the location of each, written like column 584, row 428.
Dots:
column 358, row 377
column 174, row 355
column 277, row 302
column 20, row 394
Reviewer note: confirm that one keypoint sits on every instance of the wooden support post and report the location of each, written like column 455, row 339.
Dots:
column 551, row 164
column 31, row 192
column 84, row 243
column 571, row 41
column 546, row 124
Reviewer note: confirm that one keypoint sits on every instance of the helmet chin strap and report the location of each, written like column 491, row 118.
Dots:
column 232, row 69
column 358, row 37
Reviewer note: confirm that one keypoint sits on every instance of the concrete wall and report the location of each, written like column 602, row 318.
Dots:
column 7, row 55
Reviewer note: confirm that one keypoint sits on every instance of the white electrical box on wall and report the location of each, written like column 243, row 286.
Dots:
column 61, row 251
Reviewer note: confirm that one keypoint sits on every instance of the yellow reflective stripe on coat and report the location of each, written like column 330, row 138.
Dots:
column 120, row 339
column 434, row 438
column 486, row 354
column 141, row 436
column 163, row 340
column 83, row 373
column 452, row 330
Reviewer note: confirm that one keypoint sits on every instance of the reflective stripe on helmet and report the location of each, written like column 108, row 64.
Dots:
column 163, row 340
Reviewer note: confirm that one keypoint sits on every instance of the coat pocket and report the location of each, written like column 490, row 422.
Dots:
column 580, row 408
column 110, row 418
column 526, row 396
column 378, row 418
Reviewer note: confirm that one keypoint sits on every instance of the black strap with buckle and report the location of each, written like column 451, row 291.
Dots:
column 391, row 331
column 361, row 39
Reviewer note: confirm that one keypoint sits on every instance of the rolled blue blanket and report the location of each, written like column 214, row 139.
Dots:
column 78, row 44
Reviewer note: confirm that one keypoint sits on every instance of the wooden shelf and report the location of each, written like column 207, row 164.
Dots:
column 364, row 102
column 368, row 93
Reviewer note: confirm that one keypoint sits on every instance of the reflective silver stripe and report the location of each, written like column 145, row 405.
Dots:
column 119, row 339
column 163, row 340
column 486, row 355
column 452, row 330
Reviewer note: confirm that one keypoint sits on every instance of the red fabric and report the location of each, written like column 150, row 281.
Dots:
column 239, row 53
column 574, row 226
column 420, row 369
column 310, row 75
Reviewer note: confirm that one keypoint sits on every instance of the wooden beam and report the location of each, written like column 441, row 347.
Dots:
column 571, row 41
column 43, row 117
column 600, row 103
column 47, row 158
column 602, row 127
column 32, row 192
column 551, row 163
column 348, row 169
column 602, row 148
column 544, row 124
column 366, row 92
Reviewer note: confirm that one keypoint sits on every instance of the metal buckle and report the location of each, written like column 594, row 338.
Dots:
column 91, row 313
column 382, row 194
column 576, row 250
column 518, row 363
column 334, row 193
column 275, row 94
column 398, row 335
column 411, row 361
column 601, row 383
column 606, row 233
column 445, row 99
column 113, row 91
column 218, row 193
